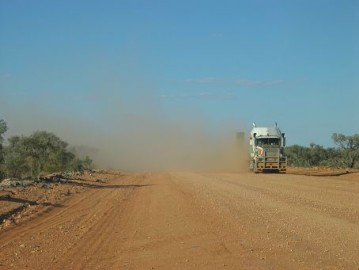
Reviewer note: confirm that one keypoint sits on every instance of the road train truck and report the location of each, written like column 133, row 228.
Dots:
column 267, row 149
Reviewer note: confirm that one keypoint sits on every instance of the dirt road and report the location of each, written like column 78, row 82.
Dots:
column 195, row 221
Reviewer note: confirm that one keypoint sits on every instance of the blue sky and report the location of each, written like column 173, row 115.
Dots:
column 76, row 65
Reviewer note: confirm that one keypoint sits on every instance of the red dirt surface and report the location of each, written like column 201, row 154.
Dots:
column 184, row 220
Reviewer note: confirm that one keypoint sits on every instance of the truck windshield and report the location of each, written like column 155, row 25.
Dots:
column 268, row 141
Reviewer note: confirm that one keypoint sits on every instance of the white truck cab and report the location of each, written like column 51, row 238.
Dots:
column 266, row 147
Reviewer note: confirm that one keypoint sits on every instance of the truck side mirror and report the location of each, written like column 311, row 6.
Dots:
column 284, row 140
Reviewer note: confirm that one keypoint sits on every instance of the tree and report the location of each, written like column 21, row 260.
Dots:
column 318, row 155
column 314, row 155
column 82, row 164
column 3, row 129
column 41, row 152
column 87, row 163
column 298, row 155
column 47, row 152
column 16, row 157
column 349, row 148
column 333, row 157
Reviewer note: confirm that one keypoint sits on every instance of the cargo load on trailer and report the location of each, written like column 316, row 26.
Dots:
column 267, row 149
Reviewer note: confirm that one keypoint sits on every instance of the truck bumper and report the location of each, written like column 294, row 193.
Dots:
column 271, row 166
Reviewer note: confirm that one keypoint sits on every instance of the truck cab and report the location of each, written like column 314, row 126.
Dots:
column 266, row 146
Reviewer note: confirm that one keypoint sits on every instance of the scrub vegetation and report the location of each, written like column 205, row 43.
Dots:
column 40, row 153
column 344, row 155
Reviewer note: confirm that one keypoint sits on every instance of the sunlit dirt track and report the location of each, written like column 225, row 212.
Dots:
column 195, row 221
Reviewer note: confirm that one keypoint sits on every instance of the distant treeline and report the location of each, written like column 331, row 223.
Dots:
column 40, row 153
column 344, row 155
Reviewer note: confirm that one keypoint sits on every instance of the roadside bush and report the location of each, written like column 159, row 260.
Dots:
column 346, row 155
column 348, row 148
column 41, row 152
column 298, row 155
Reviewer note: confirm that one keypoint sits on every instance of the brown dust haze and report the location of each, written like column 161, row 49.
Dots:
column 136, row 129
column 138, row 135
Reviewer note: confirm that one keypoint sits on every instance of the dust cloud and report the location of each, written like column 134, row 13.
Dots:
column 125, row 124
column 138, row 134
column 153, row 144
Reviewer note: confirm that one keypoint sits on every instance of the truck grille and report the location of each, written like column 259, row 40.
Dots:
column 272, row 152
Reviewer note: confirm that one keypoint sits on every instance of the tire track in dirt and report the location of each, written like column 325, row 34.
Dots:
column 304, row 234
column 195, row 221
column 47, row 238
column 310, row 199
